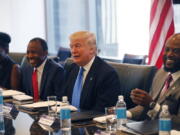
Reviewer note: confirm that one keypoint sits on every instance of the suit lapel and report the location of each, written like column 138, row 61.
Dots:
column 44, row 76
column 172, row 89
column 159, row 85
column 31, row 91
column 89, row 82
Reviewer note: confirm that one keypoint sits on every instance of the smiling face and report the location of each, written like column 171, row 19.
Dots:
column 35, row 53
column 83, row 49
column 171, row 56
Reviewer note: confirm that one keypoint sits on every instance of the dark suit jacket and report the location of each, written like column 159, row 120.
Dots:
column 51, row 81
column 6, row 66
column 101, row 87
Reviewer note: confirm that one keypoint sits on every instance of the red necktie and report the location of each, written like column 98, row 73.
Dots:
column 35, row 85
column 168, row 81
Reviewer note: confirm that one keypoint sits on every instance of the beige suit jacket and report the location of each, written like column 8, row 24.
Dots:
column 170, row 98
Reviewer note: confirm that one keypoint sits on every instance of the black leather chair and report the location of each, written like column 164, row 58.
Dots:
column 133, row 76
column 63, row 53
column 17, row 57
column 134, row 59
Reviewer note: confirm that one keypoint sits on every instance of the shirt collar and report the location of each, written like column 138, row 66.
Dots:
column 88, row 66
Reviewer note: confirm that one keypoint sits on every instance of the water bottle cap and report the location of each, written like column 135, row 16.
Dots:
column 121, row 97
column 164, row 107
column 64, row 98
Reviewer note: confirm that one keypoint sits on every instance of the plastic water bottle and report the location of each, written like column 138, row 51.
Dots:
column 121, row 112
column 1, row 114
column 65, row 121
column 65, row 100
column 164, row 121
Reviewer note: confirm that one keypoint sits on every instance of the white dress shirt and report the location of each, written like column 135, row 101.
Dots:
column 87, row 68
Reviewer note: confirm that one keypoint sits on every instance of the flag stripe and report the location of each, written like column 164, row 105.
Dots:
column 170, row 32
column 161, row 27
column 153, row 10
column 161, row 41
column 155, row 21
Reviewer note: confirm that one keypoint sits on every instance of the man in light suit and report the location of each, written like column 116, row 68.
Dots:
column 149, row 105
column 100, row 86
column 50, row 74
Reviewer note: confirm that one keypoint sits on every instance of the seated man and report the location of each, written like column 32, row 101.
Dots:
column 44, row 77
column 91, row 84
column 165, row 87
column 9, row 71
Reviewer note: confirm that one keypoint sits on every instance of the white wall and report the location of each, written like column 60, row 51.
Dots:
column 23, row 20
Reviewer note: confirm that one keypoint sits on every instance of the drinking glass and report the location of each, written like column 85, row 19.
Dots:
column 52, row 105
column 110, row 119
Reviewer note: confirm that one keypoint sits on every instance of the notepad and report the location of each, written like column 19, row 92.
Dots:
column 144, row 127
column 10, row 93
column 38, row 106
column 102, row 119
column 22, row 99
column 72, row 108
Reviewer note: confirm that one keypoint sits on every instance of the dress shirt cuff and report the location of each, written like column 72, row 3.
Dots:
column 128, row 114
column 153, row 112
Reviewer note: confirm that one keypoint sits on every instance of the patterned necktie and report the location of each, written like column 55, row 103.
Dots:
column 35, row 85
column 77, row 88
column 168, row 81
column 166, row 85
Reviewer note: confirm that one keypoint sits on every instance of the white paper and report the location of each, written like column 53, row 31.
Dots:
column 72, row 108
column 7, row 93
column 46, row 120
column 22, row 97
column 175, row 132
column 7, row 109
column 102, row 119
column 45, row 127
column 39, row 104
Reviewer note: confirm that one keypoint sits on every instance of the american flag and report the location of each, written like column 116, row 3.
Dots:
column 161, row 27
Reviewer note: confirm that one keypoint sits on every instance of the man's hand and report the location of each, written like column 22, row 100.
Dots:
column 141, row 97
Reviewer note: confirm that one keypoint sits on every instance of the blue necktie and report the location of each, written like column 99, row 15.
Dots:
column 77, row 88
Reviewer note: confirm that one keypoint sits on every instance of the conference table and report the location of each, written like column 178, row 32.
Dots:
column 23, row 123
column 27, row 123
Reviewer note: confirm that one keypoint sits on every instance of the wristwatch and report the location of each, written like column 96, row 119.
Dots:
column 152, row 105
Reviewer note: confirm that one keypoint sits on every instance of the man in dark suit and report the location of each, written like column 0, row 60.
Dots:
column 165, row 88
column 43, row 77
column 100, row 84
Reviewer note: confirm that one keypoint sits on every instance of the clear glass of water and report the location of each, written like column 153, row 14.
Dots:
column 110, row 119
column 52, row 105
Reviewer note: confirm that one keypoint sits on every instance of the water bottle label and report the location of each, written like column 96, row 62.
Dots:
column 65, row 114
column 121, row 113
column 1, row 125
column 164, row 125
column 1, row 99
